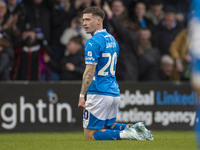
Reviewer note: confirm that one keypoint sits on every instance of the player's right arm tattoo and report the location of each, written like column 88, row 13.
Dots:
column 87, row 78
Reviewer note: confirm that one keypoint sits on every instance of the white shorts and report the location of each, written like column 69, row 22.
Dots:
column 101, row 111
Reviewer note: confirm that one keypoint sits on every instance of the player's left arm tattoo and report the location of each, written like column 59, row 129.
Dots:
column 87, row 78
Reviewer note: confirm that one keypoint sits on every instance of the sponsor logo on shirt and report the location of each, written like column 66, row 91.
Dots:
column 89, row 58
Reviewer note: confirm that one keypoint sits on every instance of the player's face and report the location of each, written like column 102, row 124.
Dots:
column 90, row 23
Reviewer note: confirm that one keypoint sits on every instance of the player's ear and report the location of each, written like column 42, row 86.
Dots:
column 99, row 20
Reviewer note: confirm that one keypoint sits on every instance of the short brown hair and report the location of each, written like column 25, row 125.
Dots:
column 94, row 10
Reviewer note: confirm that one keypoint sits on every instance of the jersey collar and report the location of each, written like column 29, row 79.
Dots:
column 103, row 30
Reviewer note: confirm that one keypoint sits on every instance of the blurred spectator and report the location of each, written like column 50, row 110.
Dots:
column 118, row 9
column 148, row 57
column 6, row 59
column 76, row 29
column 29, row 53
column 7, row 23
column 179, row 50
column 182, row 7
column 72, row 65
column 139, row 15
column 16, row 11
column 80, row 5
column 155, row 12
column 39, row 16
column 97, row 3
column 3, row 20
column 60, row 19
column 62, row 15
column 130, row 4
column 14, row 6
column 127, row 65
column 166, row 31
column 166, row 67
column 63, row 4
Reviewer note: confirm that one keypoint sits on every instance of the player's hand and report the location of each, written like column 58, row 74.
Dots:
column 81, row 103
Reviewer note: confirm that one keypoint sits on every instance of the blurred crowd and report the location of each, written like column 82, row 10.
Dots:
column 43, row 40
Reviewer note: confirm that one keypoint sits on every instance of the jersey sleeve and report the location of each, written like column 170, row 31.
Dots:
column 92, row 52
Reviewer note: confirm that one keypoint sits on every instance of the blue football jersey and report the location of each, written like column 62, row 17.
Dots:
column 102, row 50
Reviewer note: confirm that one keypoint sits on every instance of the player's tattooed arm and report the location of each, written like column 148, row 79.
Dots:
column 87, row 78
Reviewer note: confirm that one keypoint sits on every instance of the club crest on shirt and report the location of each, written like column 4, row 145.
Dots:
column 90, row 53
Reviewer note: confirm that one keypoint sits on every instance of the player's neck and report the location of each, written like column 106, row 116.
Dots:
column 99, row 28
column 96, row 31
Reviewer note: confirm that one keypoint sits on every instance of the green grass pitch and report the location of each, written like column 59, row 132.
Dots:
column 164, row 140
